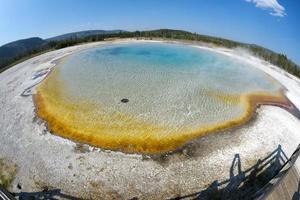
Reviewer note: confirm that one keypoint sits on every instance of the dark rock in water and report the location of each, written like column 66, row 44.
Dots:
column 124, row 100
column 19, row 186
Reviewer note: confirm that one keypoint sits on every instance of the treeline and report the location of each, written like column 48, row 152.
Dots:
column 74, row 41
column 93, row 38
column 162, row 33
column 184, row 35
column 279, row 60
column 5, row 63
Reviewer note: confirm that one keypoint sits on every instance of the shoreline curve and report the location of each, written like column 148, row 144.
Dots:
column 156, row 144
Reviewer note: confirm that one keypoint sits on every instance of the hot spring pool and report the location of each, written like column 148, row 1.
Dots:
column 150, row 97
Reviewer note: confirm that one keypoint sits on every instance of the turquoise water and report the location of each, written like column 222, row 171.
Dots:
column 169, row 84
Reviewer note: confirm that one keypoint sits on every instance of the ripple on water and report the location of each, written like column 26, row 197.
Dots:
column 177, row 93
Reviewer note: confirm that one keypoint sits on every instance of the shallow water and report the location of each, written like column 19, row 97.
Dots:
column 172, row 89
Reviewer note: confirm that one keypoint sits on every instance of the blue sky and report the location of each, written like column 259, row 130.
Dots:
column 274, row 24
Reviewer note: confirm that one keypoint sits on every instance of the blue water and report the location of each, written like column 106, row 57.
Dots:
column 172, row 84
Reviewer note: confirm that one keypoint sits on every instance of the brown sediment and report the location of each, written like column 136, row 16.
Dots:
column 286, row 104
column 149, row 140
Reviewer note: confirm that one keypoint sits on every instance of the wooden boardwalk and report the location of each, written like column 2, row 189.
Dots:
column 288, row 188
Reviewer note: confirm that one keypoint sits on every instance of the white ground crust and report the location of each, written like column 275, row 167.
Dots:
column 44, row 159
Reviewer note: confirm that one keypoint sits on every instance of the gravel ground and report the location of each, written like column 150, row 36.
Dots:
column 47, row 161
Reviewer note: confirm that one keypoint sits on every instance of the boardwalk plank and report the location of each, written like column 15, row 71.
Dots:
column 286, row 189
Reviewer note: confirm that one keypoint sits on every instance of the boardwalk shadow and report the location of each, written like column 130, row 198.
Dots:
column 243, row 184
column 296, row 195
column 45, row 195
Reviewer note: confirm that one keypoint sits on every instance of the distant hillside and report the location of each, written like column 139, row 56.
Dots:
column 19, row 47
column 14, row 51
column 82, row 34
